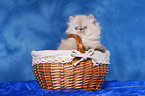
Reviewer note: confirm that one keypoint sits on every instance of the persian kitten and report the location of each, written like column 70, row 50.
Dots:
column 87, row 28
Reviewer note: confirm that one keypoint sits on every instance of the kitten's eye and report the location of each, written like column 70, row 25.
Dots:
column 76, row 28
column 85, row 27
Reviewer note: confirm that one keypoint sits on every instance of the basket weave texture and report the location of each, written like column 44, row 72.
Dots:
column 84, row 76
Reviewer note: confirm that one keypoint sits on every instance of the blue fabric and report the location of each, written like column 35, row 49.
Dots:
column 110, row 88
column 27, row 25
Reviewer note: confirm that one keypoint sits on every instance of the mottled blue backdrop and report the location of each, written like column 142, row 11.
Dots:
column 27, row 25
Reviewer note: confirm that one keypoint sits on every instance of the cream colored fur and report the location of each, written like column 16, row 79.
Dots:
column 87, row 28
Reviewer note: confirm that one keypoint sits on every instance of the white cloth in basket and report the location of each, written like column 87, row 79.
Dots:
column 67, row 56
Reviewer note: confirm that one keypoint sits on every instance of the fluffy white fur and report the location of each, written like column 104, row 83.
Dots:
column 87, row 28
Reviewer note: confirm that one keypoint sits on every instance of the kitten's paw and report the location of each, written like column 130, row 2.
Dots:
column 100, row 48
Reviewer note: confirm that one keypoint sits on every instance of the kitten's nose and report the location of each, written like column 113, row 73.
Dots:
column 81, row 30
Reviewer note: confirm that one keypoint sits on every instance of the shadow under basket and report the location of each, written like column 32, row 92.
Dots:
column 84, row 75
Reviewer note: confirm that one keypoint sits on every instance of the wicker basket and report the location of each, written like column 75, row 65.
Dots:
column 84, row 76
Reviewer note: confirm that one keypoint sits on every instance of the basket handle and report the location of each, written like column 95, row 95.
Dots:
column 78, row 39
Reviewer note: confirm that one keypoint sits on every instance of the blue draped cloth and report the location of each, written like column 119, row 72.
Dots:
column 109, row 88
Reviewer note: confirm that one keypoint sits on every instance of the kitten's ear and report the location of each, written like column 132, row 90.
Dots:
column 93, row 20
column 91, row 16
column 72, row 17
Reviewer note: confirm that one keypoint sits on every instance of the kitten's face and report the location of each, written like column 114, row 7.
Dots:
column 83, row 25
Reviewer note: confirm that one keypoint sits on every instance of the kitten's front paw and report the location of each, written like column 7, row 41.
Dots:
column 100, row 48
